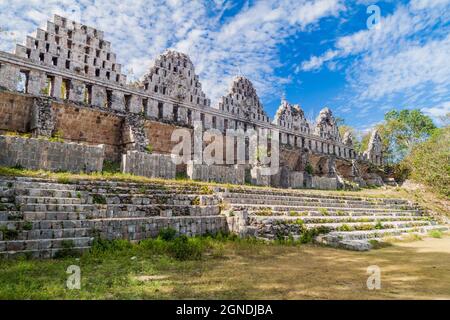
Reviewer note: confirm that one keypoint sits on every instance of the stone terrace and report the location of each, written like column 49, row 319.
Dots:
column 341, row 221
column 38, row 218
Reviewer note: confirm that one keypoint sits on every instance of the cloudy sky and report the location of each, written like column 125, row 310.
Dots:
column 315, row 52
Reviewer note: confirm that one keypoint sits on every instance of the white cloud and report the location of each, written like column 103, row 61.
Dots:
column 404, row 60
column 217, row 44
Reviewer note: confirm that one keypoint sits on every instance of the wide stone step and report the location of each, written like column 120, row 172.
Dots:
column 274, row 226
column 43, row 244
column 37, row 234
column 122, row 211
column 341, row 219
column 317, row 198
column 343, row 204
column 40, row 254
column 343, row 213
column 24, row 200
column 382, row 233
column 270, row 194
column 266, row 209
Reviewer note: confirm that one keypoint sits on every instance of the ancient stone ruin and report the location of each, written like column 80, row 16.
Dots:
column 73, row 86
column 65, row 99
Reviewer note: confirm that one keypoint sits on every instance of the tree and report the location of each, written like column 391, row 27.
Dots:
column 429, row 161
column 404, row 129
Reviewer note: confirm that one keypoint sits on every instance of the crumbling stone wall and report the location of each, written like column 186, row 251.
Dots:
column 148, row 165
column 15, row 111
column 36, row 154
column 217, row 173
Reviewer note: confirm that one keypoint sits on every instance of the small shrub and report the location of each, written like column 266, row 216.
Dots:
column 56, row 137
column 2, row 207
column 111, row 167
column 435, row 234
column 345, row 227
column 309, row 169
column 167, row 234
column 27, row 226
column 196, row 201
column 98, row 199
column 206, row 190
column 324, row 212
column 9, row 234
column 379, row 225
column 67, row 250
column 149, row 148
column 184, row 248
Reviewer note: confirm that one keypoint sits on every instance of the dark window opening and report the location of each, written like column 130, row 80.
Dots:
column 202, row 119
column 47, row 47
column 88, row 94
column 104, row 64
column 146, row 86
column 97, row 53
column 69, row 54
column 97, row 72
column 86, row 70
column 65, row 89
column 55, row 61
column 49, row 86
column 108, row 75
column 156, row 89
column 108, row 56
column 127, row 102
column 160, row 110
column 189, row 116
column 109, row 98
column 28, row 53
column 144, row 106
column 225, row 124
column 164, row 90
column 175, row 113
column 117, row 78
column 214, row 122
column 36, row 44
column 67, row 64
column 41, row 57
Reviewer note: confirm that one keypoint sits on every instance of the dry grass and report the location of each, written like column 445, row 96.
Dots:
column 416, row 270
column 243, row 270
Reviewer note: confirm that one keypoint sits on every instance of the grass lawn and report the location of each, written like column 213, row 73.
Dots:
column 237, row 269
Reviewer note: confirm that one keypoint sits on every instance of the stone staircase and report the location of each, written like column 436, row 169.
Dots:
column 39, row 218
column 349, row 222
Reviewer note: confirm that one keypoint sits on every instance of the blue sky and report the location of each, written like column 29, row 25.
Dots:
column 317, row 53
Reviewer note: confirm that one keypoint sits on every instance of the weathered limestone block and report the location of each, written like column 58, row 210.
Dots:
column 42, row 154
column 148, row 165
column 216, row 173
column 134, row 137
column 9, row 76
column 296, row 180
column 43, row 117
column 258, row 178
column 324, row 183
column 36, row 81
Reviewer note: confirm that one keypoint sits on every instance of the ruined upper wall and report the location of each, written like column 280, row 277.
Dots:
column 71, row 46
column 243, row 101
column 72, row 62
column 291, row 117
column 326, row 126
column 173, row 74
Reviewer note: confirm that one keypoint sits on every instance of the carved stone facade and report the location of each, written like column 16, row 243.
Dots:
column 69, row 63
column 292, row 117
column 374, row 152
column 326, row 126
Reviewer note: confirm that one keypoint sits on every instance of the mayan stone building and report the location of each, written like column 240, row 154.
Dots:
column 65, row 81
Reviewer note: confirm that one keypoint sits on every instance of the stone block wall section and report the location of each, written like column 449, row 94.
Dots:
column 36, row 154
column 148, row 165
column 73, row 62
column 217, row 173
